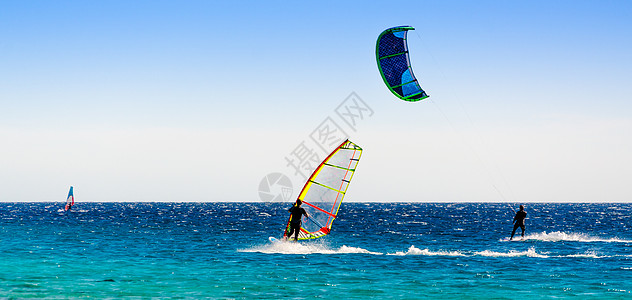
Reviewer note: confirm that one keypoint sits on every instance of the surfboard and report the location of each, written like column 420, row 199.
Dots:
column 519, row 239
column 274, row 240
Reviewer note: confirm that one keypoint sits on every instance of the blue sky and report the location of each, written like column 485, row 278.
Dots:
column 199, row 100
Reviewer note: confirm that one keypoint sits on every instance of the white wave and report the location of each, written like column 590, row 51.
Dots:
column 347, row 249
column 558, row 236
column 61, row 210
column 589, row 254
column 416, row 251
column 418, row 222
column 529, row 253
column 287, row 247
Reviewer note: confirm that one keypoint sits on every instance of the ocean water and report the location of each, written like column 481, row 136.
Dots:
column 378, row 250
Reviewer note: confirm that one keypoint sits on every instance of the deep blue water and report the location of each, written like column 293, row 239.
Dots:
column 392, row 250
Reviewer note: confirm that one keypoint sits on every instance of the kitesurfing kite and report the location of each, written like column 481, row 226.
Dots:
column 394, row 64
column 70, row 201
column 324, row 190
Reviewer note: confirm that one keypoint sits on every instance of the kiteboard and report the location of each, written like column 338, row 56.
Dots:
column 506, row 239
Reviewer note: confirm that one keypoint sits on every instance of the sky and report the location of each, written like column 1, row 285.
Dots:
column 201, row 100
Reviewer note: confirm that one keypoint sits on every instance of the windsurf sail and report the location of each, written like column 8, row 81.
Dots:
column 323, row 192
column 394, row 64
column 70, row 201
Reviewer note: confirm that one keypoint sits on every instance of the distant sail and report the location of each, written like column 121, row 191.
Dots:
column 70, row 201
column 324, row 190
column 393, row 62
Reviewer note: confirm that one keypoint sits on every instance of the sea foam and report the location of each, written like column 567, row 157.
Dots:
column 558, row 236
column 416, row 251
column 529, row 253
column 286, row 247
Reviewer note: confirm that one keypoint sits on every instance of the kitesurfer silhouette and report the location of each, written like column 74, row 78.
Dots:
column 518, row 221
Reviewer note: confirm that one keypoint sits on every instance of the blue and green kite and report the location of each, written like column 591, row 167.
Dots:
column 394, row 64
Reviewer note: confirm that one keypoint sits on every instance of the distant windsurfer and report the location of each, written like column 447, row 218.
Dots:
column 295, row 222
column 68, row 207
column 518, row 221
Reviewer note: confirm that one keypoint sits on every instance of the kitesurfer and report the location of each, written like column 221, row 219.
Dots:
column 518, row 221
column 297, row 214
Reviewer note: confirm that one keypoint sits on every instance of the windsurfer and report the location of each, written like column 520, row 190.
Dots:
column 518, row 221
column 297, row 214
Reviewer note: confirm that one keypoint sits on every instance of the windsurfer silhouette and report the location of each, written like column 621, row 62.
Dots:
column 297, row 214
column 518, row 221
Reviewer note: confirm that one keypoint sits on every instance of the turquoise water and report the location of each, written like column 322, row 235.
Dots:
column 395, row 250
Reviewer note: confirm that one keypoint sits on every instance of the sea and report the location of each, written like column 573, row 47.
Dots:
column 376, row 250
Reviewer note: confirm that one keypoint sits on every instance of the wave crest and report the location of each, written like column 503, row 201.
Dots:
column 588, row 254
column 287, row 247
column 558, row 236
column 416, row 251
column 529, row 253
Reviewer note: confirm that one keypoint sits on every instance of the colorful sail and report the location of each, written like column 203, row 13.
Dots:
column 70, row 201
column 324, row 190
column 394, row 64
